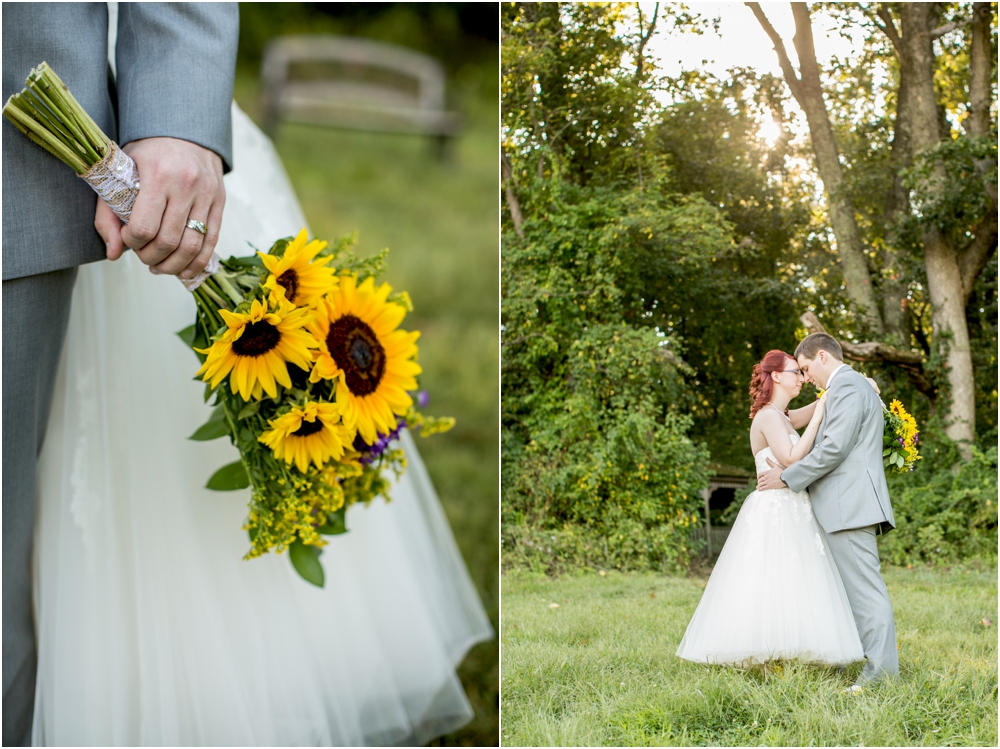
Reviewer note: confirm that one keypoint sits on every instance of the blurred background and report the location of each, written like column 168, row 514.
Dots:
column 432, row 202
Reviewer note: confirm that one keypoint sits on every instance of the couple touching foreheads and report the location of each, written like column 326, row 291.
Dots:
column 799, row 574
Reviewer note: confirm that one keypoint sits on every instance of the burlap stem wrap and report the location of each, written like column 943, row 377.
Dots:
column 116, row 180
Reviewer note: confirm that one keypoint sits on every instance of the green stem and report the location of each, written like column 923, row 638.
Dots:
column 61, row 94
column 43, row 115
column 213, row 295
column 43, row 138
column 231, row 291
column 75, row 137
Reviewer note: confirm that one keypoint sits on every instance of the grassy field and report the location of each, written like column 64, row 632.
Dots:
column 589, row 660
column 440, row 221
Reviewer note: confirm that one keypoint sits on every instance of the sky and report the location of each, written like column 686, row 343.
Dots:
column 741, row 41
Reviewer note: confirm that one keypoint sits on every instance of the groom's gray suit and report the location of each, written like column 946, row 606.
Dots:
column 846, row 481
column 175, row 64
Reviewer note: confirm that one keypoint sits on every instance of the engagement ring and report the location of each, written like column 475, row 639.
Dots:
column 196, row 225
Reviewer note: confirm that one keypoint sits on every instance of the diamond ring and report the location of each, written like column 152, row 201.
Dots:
column 196, row 225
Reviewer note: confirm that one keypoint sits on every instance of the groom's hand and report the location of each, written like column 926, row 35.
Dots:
column 180, row 180
column 771, row 478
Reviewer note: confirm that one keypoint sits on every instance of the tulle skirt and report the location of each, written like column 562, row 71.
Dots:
column 151, row 627
column 775, row 592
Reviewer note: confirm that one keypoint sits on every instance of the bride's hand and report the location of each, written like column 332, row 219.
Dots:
column 874, row 385
column 820, row 407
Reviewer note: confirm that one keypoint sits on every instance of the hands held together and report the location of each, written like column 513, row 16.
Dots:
column 180, row 181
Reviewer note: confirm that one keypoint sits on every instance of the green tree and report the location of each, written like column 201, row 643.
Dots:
column 912, row 252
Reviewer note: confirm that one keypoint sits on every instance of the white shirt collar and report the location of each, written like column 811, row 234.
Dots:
column 833, row 374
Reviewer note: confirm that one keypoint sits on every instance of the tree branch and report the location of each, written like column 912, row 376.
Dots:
column 910, row 362
column 948, row 27
column 513, row 204
column 889, row 29
column 779, row 46
column 973, row 258
column 644, row 39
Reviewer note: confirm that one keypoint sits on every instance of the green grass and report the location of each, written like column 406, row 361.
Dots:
column 440, row 221
column 600, row 670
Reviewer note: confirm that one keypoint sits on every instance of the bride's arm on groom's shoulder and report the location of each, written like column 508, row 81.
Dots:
column 773, row 428
column 801, row 416
column 843, row 412
column 175, row 68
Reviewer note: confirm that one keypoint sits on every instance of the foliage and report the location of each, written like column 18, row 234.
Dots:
column 593, row 441
column 943, row 515
column 588, row 660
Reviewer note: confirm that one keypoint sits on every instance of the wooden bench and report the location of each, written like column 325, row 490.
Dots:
column 354, row 83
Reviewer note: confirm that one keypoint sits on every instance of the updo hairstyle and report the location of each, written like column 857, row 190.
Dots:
column 761, row 384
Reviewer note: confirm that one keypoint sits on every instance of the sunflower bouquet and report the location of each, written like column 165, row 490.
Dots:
column 899, row 438
column 312, row 379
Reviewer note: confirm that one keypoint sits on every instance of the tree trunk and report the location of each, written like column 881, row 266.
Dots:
column 897, row 207
column 809, row 94
column 944, row 278
column 513, row 204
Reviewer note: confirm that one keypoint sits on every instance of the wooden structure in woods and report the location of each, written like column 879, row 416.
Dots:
column 354, row 83
column 721, row 477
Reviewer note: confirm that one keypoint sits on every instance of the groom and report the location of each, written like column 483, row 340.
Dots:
column 169, row 108
column 846, row 481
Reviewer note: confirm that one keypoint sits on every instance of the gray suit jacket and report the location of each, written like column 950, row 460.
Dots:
column 176, row 63
column 844, row 471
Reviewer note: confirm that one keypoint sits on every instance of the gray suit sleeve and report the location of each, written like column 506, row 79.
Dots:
column 176, row 63
column 843, row 417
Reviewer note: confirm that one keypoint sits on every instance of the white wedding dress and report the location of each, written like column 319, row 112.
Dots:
column 151, row 627
column 775, row 592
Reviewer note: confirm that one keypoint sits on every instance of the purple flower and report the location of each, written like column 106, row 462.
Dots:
column 370, row 452
column 423, row 398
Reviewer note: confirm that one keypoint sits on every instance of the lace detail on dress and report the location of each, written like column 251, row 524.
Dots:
column 779, row 507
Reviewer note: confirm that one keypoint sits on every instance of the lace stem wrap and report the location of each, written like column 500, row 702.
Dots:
column 115, row 179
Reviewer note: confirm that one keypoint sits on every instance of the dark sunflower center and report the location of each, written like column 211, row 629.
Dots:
column 356, row 350
column 307, row 428
column 258, row 338
column 290, row 281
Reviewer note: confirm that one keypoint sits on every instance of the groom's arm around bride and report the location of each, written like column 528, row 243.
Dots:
column 170, row 108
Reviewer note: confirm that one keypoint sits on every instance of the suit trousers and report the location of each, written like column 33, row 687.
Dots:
column 35, row 317
column 856, row 555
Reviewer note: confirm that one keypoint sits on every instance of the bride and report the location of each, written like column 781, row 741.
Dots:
column 775, row 592
column 151, row 627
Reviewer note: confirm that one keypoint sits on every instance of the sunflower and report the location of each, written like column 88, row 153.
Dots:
column 302, row 278
column 313, row 433
column 256, row 348
column 361, row 348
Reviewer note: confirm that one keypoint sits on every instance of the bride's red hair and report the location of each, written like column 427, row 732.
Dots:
column 761, row 384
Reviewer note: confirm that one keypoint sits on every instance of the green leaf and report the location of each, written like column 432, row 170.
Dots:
column 187, row 335
column 208, row 391
column 229, row 477
column 214, row 428
column 336, row 523
column 248, row 410
column 305, row 560
column 252, row 533
column 249, row 261
column 886, row 452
